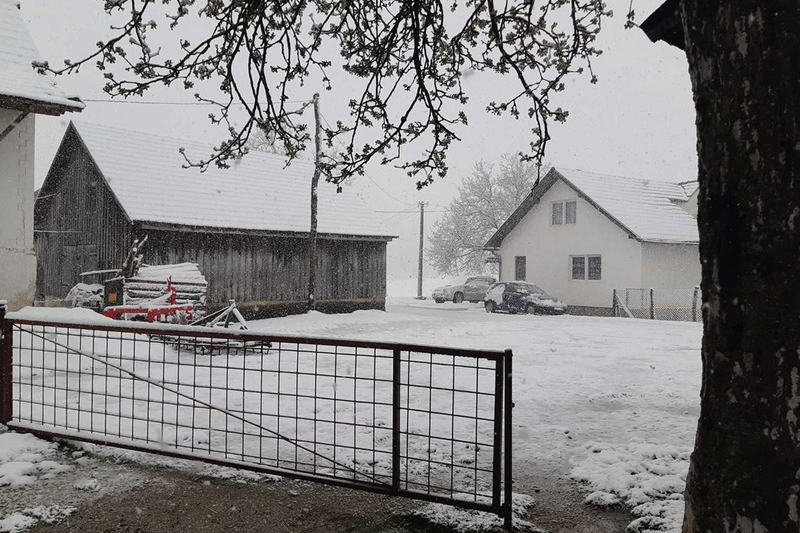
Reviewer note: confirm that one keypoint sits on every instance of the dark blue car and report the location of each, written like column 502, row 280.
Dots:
column 522, row 297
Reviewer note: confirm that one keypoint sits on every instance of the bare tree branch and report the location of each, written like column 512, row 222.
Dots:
column 408, row 67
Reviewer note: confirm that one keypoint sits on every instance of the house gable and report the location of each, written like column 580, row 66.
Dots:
column 534, row 198
column 548, row 249
column 644, row 209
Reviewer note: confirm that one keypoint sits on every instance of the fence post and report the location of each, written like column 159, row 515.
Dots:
column 497, row 459
column 652, row 305
column 6, row 368
column 694, row 303
column 396, row 419
column 508, row 517
column 614, row 309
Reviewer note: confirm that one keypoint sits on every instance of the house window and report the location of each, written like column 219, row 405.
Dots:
column 564, row 212
column 594, row 267
column 558, row 213
column 520, row 267
column 579, row 267
column 586, row 267
column 570, row 209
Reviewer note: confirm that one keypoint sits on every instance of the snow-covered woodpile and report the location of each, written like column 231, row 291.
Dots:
column 152, row 282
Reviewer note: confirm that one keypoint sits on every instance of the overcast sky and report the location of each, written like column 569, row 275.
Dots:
column 637, row 121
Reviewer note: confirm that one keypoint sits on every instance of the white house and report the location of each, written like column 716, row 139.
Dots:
column 23, row 94
column 579, row 235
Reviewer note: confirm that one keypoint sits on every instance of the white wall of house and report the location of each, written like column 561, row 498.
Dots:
column 670, row 266
column 548, row 249
column 17, row 259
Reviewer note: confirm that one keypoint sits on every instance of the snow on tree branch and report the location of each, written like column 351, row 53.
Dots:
column 407, row 58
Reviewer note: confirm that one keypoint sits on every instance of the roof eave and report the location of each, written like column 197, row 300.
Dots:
column 669, row 241
column 189, row 228
column 664, row 24
column 39, row 107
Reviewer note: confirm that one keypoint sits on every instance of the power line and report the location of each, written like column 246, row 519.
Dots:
column 365, row 172
column 151, row 102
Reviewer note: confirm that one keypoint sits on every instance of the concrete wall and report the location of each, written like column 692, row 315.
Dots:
column 17, row 259
column 548, row 249
column 670, row 266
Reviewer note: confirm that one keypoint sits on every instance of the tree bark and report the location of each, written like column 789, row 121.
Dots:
column 744, row 61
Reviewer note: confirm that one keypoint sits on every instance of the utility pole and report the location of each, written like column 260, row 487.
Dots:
column 312, row 254
column 421, row 246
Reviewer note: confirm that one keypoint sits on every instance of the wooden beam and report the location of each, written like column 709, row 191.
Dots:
column 35, row 106
column 13, row 125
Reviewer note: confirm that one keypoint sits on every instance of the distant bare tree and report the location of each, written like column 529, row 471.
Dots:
column 261, row 141
column 485, row 200
column 407, row 59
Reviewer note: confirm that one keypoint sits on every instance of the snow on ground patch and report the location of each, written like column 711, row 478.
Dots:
column 470, row 521
column 23, row 460
column 16, row 522
column 649, row 478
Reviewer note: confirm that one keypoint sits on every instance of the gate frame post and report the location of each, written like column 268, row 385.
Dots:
column 396, row 419
column 6, row 368
column 508, row 518
column 695, row 294
column 497, row 459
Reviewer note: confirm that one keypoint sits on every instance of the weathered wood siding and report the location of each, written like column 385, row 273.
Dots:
column 263, row 271
column 79, row 225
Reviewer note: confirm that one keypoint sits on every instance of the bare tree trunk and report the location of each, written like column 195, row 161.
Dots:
column 744, row 60
column 312, row 253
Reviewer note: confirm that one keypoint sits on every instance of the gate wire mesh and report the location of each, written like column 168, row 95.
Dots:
column 416, row 421
column 667, row 304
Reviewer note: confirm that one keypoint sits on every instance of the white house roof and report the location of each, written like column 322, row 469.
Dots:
column 646, row 209
column 18, row 79
column 643, row 206
column 145, row 172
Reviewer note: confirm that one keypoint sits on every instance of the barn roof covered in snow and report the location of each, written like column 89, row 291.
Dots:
column 647, row 210
column 21, row 87
column 257, row 193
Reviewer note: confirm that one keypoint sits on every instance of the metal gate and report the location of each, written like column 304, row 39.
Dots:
column 418, row 421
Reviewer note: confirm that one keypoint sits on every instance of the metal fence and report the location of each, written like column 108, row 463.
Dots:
column 424, row 422
column 659, row 304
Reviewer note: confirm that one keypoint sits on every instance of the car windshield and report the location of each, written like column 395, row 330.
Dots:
column 525, row 288
column 457, row 281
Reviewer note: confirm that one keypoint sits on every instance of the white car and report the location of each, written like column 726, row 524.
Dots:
column 471, row 289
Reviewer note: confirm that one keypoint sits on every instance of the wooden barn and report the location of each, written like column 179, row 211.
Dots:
column 246, row 226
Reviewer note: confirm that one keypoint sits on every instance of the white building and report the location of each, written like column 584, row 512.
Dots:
column 580, row 235
column 23, row 94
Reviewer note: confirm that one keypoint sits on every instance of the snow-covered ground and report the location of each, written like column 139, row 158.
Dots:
column 612, row 402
